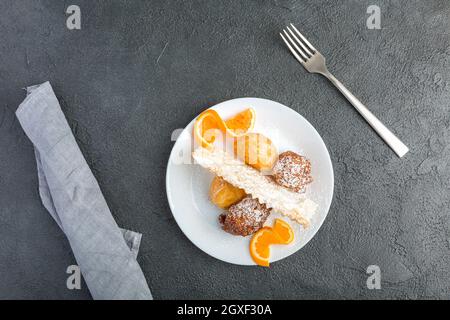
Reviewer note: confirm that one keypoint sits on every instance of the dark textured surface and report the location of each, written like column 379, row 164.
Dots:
column 140, row 69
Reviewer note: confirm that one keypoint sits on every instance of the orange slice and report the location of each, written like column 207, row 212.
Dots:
column 241, row 123
column 209, row 125
column 260, row 246
column 283, row 231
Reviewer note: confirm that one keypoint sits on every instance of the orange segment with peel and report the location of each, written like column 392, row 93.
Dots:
column 260, row 246
column 209, row 125
column 241, row 123
column 280, row 233
column 283, row 231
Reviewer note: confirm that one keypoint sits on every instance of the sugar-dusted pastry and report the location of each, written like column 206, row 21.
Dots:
column 256, row 150
column 292, row 171
column 291, row 204
column 223, row 194
column 245, row 217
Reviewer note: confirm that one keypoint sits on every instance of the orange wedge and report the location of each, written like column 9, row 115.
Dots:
column 260, row 246
column 209, row 125
column 283, row 231
column 241, row 123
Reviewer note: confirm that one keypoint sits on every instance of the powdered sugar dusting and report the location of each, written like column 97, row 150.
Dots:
column 245, row 217
column 292, row 171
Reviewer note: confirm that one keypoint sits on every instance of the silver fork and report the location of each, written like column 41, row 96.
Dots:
column 314, row 62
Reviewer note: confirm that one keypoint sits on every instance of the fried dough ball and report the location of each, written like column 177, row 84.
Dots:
column 292, row 171
column 256, row 150
column 245, row 217
column 223, row 194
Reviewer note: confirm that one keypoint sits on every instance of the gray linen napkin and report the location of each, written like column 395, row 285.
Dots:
column 105, row 253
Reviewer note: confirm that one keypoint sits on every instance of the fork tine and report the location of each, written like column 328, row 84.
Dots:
column 303, row 38
column 305, row 49
column 303, row 54
column 292, row 50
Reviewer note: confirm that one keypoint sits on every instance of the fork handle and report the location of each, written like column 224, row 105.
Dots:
column 399, row 147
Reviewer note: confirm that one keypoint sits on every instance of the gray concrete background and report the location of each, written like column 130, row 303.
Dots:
column 123, row 94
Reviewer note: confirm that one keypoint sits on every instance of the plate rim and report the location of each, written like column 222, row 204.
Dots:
column 197, row 244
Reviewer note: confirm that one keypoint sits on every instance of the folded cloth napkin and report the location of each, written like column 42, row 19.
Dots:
column 105, row 253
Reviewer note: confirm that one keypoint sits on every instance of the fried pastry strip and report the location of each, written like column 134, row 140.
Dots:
column 290, row 204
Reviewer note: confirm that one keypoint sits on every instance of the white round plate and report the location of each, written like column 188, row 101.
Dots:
column 187, row 184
